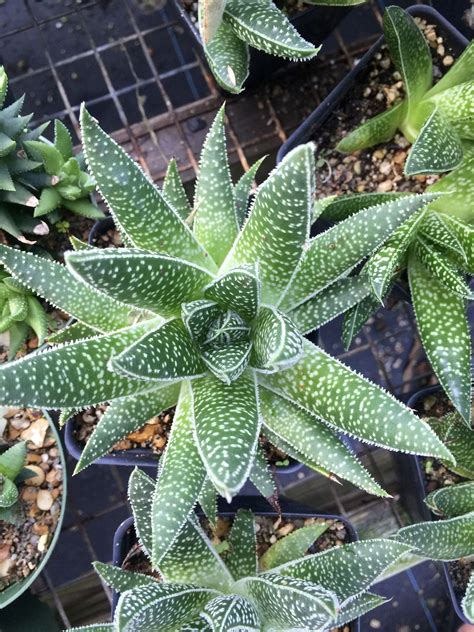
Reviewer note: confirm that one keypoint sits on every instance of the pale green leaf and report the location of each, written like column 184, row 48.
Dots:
column 72, row 333
column 441, row 268
column 241, row 559
column 173, row 191
column 265, row 27
column 123, row 416
column 438, row 231
column 243, row 189
column 444, row 332
column 62, row 139
column 277, row 342
column 377, row 130
column 140, row 495
column 137, row 205
column 461, row 71
column 452, row 501
column 121, row 580
column 138, row 278
column 457, row 106
column 458, row 186
column 358, row 606
column 467, row 603
column 293, row 546
column 262, row 477
column 336, row 208
column 231, row 613
column 228, row 57
column 12, row 461
column 345, row 400
column 226, row 429
column 277, row 229
column 215, row 222
column 356, row 317
column 465, row 234
column 55, row 283
column 237, row 290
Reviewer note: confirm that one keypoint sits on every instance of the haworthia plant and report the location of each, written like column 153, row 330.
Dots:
column 450, row 538
column 202, row 590
column 12, row 472
column 229, row 27
column 213, row 334
column 434, row 248
column 37, row 178
column 436, row 119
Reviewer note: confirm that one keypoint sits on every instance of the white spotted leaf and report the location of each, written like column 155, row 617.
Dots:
column 452, row 501
column 241, row 559
column 277, row 343
column 377, row 130
column 121, row 580
column 198, row 316
column 227, row 362
column 231, row 612
column 228, row 57
column 173, row 191
column 293, row 546
column 356, row 607
column 467, row 603
column 237, row 290
column 356, row 316
column 441, row 268
column 243, row 189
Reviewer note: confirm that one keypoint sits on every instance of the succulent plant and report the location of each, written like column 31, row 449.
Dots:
column 20, row 312
column 217, row 315
column 12, row 470
column 455, row 434
column 436, row 119
column 200, row 590
column 450, row 538
column 229, row 27
column 434, row 247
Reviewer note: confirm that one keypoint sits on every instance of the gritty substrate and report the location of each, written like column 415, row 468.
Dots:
column 23, row 546
column 437, row 476
column 379, row 168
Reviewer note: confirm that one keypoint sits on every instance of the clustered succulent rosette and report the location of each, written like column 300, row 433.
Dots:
column 200, row 590
column 435, row 248
column 229, row 27
column 216, row 314
column 438, row 118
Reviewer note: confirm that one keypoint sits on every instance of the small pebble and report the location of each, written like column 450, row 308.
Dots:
column 44, row 500
column 37, row 478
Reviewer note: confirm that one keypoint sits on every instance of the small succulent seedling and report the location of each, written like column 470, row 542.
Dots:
column 436, row 119
column 284, row 590
column 435, row 248
column 229, row 27
column 450, row 538
column 12, row 472
column 217, row 299
column 20, row 313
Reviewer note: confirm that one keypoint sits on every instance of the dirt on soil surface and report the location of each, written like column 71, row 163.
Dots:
column 437, row 476
column 24, row 544
column 269, row 529
column 379, row 168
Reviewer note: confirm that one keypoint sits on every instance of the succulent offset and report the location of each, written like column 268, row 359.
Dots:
column 438, row 118
column 210, row 319
column 20, row 313
column 200, row 590
column 229, row 27
column 12, row 471
column 37, row 178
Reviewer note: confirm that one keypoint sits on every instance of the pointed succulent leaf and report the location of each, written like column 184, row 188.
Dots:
column 454, row 432
column 264, row 26
column 386, row 263
column 38, row 379
column 289, row 602
column 452, row 501
column 121, row 580
column 355, row 317
column 356, row 607
column 95, row 627
column 215, row 223
column 138, row 208
column 336, row 208
column 441, row 268
column 84, row 208
column 227, row 362
column 465, row 234
column 277, row 342
column 62, row 139
column 410, row 53
column 467, row 603
column 162, row 607
column 243, row 189
column 54, row 282
column 241, row 559
column 377, row 130
column 180, row 481
column 443, row 540
column 18, row 333
column 277, row 229
column 347, row 570
column 198, row 316
column 211, row 13
column 460, row 72
column 142, row 279
column 293, row 546
column 8, row 493
column 335, row 252
column 12, row 461
column 314, row 440
column 74, row 332
column 262, row 477
column 228, row 57
column 140, row 495
column 444, row 332
column 226, row 429
column 173, row 191
column 330, row 303
column 231, row 612
column 168, row 353
column 345, row 400
column 208, row 501
column 237, row 290
column 49, row 200
column 438, row 232
column 196, row 625
column 457, row 106
column 124, row 416
column 437, row 147
column 48, row 154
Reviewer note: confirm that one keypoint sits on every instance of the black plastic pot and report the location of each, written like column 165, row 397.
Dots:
column 309, row 128
column 414, row 493
column 125, row 536
column 315, row 24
